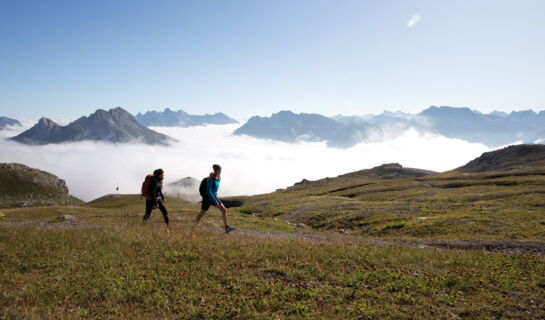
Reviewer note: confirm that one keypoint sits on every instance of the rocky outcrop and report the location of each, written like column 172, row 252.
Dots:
column 23, row 186
column 389, row 171
column 512, row 157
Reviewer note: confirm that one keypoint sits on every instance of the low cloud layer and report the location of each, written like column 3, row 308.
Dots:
column 250, row 166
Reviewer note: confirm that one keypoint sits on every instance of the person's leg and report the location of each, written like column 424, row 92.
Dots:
column 199, row 217
column 221, row 207
column 149, row 207
column 204, row 207
column 163, row 210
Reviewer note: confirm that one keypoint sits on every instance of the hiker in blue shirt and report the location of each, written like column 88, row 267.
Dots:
column 209, row 192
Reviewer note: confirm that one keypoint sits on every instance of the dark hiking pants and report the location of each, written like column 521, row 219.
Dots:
column 149, row 207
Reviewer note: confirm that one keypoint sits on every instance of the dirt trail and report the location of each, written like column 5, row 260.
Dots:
column 51, row 225
column 433, row 191
column 511, row 247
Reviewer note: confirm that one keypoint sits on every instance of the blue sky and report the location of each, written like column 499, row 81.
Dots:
column 68, row 58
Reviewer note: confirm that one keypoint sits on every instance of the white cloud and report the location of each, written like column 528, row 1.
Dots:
column 250, row 165
column 413, row 21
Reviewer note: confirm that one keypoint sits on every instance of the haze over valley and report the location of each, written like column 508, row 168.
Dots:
column 93, row 168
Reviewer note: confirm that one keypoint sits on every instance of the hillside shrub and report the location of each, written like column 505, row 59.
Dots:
column 279, row 213
column 395, row 225
column 250, row 210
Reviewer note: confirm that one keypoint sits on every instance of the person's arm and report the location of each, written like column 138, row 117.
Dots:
column 209, row 191
column 160, row 186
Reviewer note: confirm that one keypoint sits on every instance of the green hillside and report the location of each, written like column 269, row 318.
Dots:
column 22, row 186
column 393, row 202
column 452, row 205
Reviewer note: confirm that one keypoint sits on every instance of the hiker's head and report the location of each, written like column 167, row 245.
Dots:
column 159, row 174
column 217, row 171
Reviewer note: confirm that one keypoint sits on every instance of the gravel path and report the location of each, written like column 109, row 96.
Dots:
column 511, row 247
column 51, row 225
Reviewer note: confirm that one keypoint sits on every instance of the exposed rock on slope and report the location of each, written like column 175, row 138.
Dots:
column 511, row 157
column 389, row 171
column 22, row 186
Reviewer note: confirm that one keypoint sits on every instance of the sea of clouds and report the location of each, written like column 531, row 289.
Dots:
column 250, row 165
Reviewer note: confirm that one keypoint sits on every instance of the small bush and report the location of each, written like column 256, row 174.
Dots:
column 250, row 210
column 2, row 216
column 395, row 225
column 279, row 213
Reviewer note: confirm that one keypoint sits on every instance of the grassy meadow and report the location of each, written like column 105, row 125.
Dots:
column 105, row 263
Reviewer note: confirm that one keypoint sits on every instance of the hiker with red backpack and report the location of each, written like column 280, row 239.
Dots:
column 209, row 192
column 152, row 191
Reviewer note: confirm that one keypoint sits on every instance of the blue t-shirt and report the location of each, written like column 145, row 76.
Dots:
column 212, row 189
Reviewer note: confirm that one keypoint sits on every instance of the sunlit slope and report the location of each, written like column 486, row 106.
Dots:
column 506, row 204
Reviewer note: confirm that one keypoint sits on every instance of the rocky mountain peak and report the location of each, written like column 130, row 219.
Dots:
column 115, row 125
column 47, row 123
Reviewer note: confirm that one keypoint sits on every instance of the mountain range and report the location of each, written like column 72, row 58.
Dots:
column 290, row 127
column 115, row 125
column 119, row 126
column 5, row 122
column 180, row 118
column 493, row 129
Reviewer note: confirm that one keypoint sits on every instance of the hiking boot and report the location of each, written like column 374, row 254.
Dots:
column 228, row 229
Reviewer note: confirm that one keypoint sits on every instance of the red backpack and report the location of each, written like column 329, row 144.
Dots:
column 145, row 186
